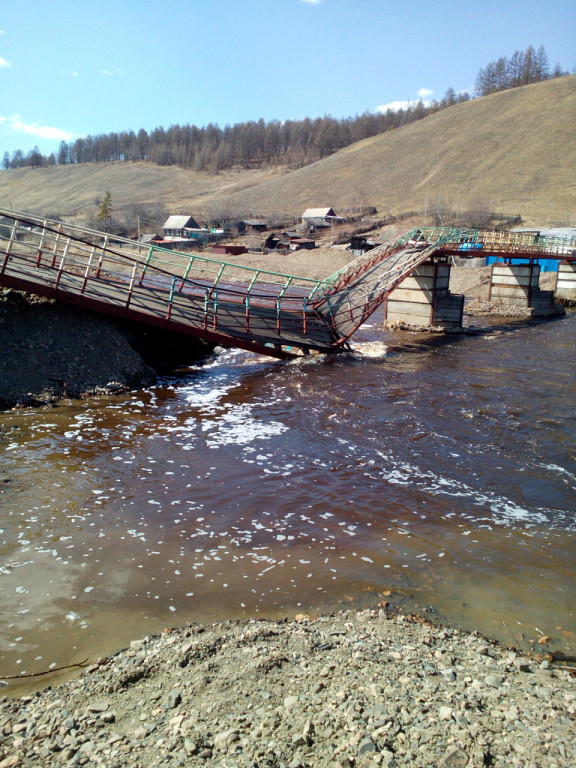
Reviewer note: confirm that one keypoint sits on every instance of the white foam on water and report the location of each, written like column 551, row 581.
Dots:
column 559, row 470
column 207, row 398
column 504, row 510
column 239, row 427
column 369, row 350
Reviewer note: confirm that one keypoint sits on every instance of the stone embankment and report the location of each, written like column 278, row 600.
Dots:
column 355, row 690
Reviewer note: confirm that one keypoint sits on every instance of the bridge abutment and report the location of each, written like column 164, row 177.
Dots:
column 423, row 299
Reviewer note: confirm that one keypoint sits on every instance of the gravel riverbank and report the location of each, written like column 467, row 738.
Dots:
column 50, row 351
column 356, row 689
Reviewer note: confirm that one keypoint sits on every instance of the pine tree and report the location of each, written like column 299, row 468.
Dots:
column 105, row 209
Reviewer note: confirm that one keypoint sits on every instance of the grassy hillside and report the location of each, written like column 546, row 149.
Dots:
column 74, row 190
column 514, row 151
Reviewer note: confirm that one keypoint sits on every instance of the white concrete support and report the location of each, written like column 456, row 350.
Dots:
column 566, row 281
column 514, row 283
column 518, row 285
column 423, row 299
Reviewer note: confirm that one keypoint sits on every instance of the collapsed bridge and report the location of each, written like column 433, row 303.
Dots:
column 224, row 303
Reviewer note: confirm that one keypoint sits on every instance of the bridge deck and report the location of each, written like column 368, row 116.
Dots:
column 226, row 303
column 226, row 315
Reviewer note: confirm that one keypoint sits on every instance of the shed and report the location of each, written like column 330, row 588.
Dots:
column 299, row 243
column 253, row 225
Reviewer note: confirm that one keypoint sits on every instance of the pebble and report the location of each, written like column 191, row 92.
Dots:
column 382, row 693
column 173, row 700
column 456, row 758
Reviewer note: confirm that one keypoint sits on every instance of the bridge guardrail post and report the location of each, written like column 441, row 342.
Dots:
column 131, row 286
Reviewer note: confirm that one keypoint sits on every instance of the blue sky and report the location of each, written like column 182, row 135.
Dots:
column 76, row 67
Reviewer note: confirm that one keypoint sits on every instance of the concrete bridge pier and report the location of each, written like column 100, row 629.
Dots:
column 518, row 285
column 423, row 299
column 566, row 281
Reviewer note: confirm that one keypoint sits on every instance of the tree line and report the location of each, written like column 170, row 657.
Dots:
column 291, row 143
column 522, row 68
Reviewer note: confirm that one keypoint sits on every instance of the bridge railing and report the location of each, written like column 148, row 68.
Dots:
column 479, row 242
column 359, row 266
column 97, row 255
column 62, row 257
column 226, row 303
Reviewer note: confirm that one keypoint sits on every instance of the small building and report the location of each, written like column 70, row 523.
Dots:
column 199, row 235
column 177, row 226
column 360, row 244
column 302, row 243
column 149, row 237
column 276, row 242
column 229, row 249
column 174, row 243
column 320, row 217
column 221, row 230
column 252, row 225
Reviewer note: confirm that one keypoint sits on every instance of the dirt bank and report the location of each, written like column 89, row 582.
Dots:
column 50, row 351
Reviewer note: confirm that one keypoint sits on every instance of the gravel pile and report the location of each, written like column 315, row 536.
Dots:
column 358, row 689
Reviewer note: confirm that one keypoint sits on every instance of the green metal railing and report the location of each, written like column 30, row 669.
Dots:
column 101, row 268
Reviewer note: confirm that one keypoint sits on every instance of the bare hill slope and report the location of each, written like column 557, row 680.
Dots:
column 515, row 151
column 73, row 190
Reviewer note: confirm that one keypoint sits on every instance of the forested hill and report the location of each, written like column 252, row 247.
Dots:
column 289, row 143
column 512, row 151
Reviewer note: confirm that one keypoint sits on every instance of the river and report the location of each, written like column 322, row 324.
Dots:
column 436, row 474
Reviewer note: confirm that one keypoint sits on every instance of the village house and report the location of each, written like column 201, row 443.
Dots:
column 179, row 226
column 315, row 218
column 182, row 232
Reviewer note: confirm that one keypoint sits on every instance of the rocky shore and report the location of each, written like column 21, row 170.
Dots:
column 355, row 690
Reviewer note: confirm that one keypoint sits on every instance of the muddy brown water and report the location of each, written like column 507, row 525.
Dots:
column 438, row 474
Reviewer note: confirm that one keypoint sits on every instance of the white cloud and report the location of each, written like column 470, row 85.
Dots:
column 15, row 124
column 312, row 2
column 4, row 63
column 394, row 106
column 112, row 72
column 397, row 105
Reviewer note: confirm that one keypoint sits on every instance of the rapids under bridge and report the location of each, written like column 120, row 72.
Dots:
column 228, row 304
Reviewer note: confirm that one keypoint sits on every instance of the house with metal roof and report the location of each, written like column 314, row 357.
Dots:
column 175, row 226
column 320, row 217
